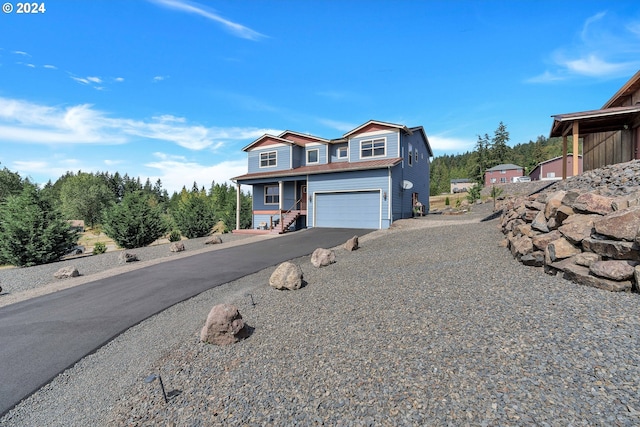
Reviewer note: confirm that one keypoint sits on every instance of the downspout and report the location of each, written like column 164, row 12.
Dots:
column 390, row 199
column 238, row 204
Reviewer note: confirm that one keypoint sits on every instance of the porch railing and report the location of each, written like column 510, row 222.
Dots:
column 281, row 215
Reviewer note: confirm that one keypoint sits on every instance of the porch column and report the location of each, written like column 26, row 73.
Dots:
column 281, row 194
column 238, row 206
column 564, row 156
column 576, row 136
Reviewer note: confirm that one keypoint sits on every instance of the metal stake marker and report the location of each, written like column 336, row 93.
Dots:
column 252, row 301
column 151, row 378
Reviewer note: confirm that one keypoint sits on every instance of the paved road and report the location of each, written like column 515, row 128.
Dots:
column 41, row 337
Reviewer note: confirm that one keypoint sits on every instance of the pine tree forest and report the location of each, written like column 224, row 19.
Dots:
column 491, row 151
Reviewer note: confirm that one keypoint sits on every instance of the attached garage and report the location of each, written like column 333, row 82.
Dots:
column 348, row 209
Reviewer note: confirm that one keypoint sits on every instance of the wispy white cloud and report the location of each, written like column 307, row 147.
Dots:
column 157, row 79
column 198, row 9
column 603, row 49
column 176, row 173
column 94, row 79
column 22, row 53
column 50, row 67
column 23, row 121
column 119, row 79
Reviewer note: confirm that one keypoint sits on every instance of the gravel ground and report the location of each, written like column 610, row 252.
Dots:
column 428, row 323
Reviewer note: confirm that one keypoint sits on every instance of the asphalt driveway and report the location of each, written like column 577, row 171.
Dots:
column 41, row 337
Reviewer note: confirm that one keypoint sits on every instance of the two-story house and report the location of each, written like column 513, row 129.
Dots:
column 371, row 176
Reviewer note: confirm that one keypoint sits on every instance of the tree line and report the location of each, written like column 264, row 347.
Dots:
column 491, row 151
column 34, row 227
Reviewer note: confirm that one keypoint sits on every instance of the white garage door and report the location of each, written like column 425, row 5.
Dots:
column 356, row 209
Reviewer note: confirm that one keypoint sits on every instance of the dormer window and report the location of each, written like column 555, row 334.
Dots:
column 268, row 159
column 373, row 148
column 313, row 156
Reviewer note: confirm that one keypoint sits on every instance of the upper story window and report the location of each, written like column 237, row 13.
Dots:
column 373, row 148
column 313, row 156
column 416, row 155
column 343, row 153
column 503, row 171
column 410, row 157
column 268, row 159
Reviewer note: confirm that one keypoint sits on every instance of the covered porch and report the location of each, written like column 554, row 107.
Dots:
column 277, row 206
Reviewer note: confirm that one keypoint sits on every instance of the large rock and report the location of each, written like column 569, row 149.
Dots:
column 561, row 249
column 176, row 247
column 540, row 222
column 127, row 257
column 542, row 240
column 587, row 259
column 66, row 272
column 286, row 276
column 614, row 269
column 224, row 326
column 620, row 225
column 552, row 207
column 578, row 227
column 322, row 257
column 614, row 249
column 351, row 244
column 581, row 275
column 533, row 259
column 593, row 203
column 213, row 240
column 521, row 245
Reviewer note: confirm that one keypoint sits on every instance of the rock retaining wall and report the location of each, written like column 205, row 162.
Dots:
column 586, row 228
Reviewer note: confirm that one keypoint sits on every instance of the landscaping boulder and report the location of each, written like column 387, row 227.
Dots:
column 620, row 225
column 176, row 247
column 322, row 257
column 127, row 257
column 593, row 203
column 613, row 269
column 561, row 249
column 224, row 326
column 352, row 244
column 586, row 259
column 213, row 240
column 286, row 276
column 66, row 272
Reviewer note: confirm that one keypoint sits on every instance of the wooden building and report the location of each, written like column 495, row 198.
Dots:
column 610, row 135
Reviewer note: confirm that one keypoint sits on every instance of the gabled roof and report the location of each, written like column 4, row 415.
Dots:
column 324, row 168
column 629, row 87
column 506, row 166
column 275, row 138
column 558, row 158
column 461, row 181
column 424, row 135
column 375, row 122
column 305, row 136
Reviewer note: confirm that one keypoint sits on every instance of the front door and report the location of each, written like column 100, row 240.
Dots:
column 303, row 197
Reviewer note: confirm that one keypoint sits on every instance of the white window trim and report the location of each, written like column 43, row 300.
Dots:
column 272, row 195
column 416, row 156
column 317, row 150
column 267, row 153
column 344, row 150
column 410, row 156
column 373, row 141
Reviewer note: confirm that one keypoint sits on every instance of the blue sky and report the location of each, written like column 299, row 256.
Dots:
column 173, row 89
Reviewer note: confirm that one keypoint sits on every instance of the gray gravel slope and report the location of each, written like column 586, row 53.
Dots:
column 421, row 326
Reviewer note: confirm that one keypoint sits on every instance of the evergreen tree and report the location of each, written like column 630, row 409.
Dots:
column 135, row 222
column 11, row 183
column 500, row 151
column 194, row 214
column 85, row 196
column 32, row 231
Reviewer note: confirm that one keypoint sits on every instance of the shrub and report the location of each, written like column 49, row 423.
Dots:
column 99, row 248
column 194, row 215
column 175, row 236
column 134, row 222
column 32, row 231
column 447, row 202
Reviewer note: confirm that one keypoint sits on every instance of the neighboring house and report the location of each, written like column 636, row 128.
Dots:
column 502, row 174
column 373, row 175
column 552, row 169
column 610, row 135
column 461, row 185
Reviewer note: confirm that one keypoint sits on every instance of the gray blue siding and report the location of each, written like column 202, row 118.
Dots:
column 283, row 159
column 391, row 146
